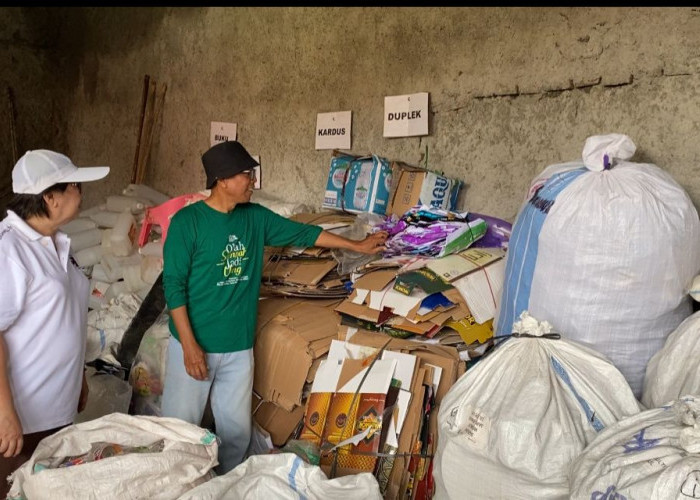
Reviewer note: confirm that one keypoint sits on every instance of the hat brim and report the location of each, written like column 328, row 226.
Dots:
column 86, row 174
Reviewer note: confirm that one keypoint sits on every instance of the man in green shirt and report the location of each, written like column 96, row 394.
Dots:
column 212, row 269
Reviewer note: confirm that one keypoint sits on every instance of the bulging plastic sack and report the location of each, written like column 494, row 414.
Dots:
column 285, row 476
column 605, row 250
column 188, row 455
column 511, row 426
column 653, row 455
column 675, row 370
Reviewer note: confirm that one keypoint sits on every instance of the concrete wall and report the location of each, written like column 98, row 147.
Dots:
column 512, row 90
column 29, row 70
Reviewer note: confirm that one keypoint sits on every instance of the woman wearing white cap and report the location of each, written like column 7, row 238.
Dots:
column 43, row 306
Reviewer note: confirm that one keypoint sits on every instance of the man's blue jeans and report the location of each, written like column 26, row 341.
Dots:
column 231, row 384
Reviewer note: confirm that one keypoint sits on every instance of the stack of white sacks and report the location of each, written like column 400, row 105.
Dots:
column 104, row 244
column 546, row 417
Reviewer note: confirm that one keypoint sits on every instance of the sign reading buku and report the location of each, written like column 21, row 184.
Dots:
column 221, row 132
column 406, row 115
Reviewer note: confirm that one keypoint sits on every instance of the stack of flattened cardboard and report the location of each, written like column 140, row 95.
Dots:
column 444, row 298
column 373, row 408
column 293, row 336
column 306, row 272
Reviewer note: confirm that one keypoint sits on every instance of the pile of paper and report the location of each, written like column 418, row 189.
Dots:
column 425, row 297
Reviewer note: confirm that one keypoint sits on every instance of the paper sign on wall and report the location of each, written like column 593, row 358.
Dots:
column 258, row 173
column 333, row 130
column 222, row 132
column 406, row 115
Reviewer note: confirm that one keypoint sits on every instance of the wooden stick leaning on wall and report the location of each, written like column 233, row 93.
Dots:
column 155, row 115
column 145, row 129
column 144, row 99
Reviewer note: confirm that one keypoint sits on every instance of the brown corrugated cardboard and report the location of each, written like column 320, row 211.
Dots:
column 279, row 422
column 358, row 311
column 408, row 181
column 291, row 335
column 298, row 271
column 325, row 217
column 375, row 280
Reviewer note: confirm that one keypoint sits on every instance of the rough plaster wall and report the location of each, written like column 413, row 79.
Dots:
column 512, row 90
column 27, row 69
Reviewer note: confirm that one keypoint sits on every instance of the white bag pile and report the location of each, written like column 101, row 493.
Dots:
column 674, row 371
column 653, row 455
column 188, row 455
column 284, row 476
column 106, row 326
column 511, row 426
column 605, row 250
column 280, row 207
column 104, row 243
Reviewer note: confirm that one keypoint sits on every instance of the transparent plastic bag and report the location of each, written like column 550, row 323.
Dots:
column 349, row 261
column 148, row 369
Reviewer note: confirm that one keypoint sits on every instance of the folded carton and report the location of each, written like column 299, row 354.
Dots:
column 444, row 357
column 291, row 335
column 418, row 186
column 358, row 184
column 279, row 422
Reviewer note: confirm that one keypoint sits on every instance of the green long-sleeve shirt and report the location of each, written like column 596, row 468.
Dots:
column 212, row 263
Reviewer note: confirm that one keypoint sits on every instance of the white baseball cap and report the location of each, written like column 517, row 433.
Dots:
column 41, row 168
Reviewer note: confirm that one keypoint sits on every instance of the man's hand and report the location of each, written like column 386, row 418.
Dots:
column 84, row 390
column 374, row 243
column 11, row 440
column 195, row 361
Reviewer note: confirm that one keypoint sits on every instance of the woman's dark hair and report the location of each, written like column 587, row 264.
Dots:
column 29, row 205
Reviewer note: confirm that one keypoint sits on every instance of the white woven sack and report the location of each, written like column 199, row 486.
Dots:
column 511, row 426
column 674, row 371
column 189, row 454
column 653, row 455
column 616, row 254
column 284, row 476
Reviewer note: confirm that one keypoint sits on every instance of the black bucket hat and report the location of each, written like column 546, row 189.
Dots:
column 226, row 159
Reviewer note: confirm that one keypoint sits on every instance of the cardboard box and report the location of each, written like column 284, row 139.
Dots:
column 279, row 422
column 416, row 185
column 358, row 184
column 291, row 335
column 374, row 184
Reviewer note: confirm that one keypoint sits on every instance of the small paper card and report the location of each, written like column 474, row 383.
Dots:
column 406, row 115
column 333, row 130
column 222, row 132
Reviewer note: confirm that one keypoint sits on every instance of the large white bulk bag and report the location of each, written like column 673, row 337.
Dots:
column 188, row 455
column 654, row 455
column 511, row 426
column 674, row 371
column 605, row 254
column 284, row 476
